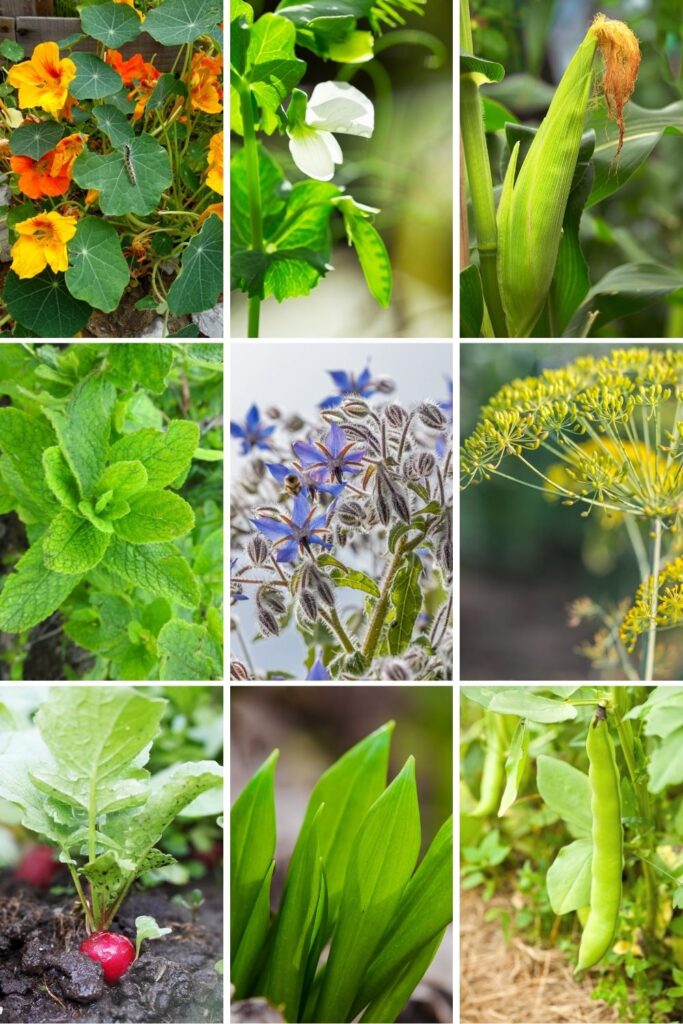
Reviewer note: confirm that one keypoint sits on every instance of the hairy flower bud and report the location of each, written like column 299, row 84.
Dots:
column 238, row 670
column 267, row 622
column 385, row 385
column 332, row 415
column 308, row 605
column 355, row 407
column 325, row 590
column 400, row 505
column 395, row 670
column 258, row 549
column 395, row 414
column 350, row 513
column 381, row 497
column 431, row 416
column 271, row 600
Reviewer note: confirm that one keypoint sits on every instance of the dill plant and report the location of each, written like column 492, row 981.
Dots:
column 613, row 427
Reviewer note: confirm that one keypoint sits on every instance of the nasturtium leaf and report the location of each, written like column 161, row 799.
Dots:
column 166, row 88
column 146, row 363
column 119, row 194
column 175, row 22
column 164, row 454
column 124, row 478
column 155, row 515
column 406, row 597
column 98, row 272
column 59, row 478
column 157, row 568
column 23, row 441
column 247, row 959
column 32, row 592
column 35, row 140
column 187, row 652
column 113, row 122
column 252, row 845
column 83, row 430
column 200, row 280
column 11, row 50
column 111, row 24
column 44, row 305
column 94, row 79
column 72, row 544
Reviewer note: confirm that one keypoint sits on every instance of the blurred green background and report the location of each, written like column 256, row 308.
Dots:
column 642, row 222
column 525, row 558
column 406, row 170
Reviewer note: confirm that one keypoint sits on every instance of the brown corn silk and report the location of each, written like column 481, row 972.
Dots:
column 621, row 55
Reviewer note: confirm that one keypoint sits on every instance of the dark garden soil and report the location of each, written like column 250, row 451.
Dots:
column 44, row 978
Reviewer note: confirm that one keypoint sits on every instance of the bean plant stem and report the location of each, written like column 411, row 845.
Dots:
column 652, row 631
column 379, row 614
column 254, row 192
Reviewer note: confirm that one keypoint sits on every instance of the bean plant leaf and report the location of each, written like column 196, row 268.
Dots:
column 156, row 568
column 83, row 430
column 111, row 24
column 568, row 879
column 187, row 651
column 175, row 22
column 303, row 14
column 200, row 280
column 382, row 860
column 164, row 454
column 119, row 193
column 32, row 592
column 98, row 272
column 72, row 544
column 247, row 959
column 35, row 140
column 516, row 700
column 155, row 515
column 112, row 121
column 566, row 790
column 141, row 363
column 406, row 597
column 44, row 305
column 252, row 845
column 514, row 766
column 94, row 79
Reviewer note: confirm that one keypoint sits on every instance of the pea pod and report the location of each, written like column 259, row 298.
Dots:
column 494, row 767
column 607, row 844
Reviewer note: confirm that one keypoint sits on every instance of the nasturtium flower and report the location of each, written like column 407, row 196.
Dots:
column 214, row 178
column 334, row 107
column 253, row 434
column 139, row 73
column 42, row 243
column 43, row 81
column 216, row 208
column 51, row 175
column 348, row 384
column 129, row 3
column 334, row 457
column 293, row 535
column 204, row 84
column 10, row 118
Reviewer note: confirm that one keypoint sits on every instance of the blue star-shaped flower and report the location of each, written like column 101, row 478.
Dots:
column 334, row 458
column 349, row 384
column 253, row 434
column 318, row 672
column 447, row 405
column 311, row 481
column 296, row 534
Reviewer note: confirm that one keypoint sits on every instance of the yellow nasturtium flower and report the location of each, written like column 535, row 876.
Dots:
column 214, row 178
column 129, row 3
column 42, row 243
column 43, row 81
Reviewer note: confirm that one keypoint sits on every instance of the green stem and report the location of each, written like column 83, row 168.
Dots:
column 332, row 619
column 81, row 895
column 380, row 612
column 652, row 631
column 92, row 847
column 254, row 191
column 638, row 546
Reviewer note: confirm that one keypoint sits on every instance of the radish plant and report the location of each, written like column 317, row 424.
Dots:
column 80, row 782
column 353, row 880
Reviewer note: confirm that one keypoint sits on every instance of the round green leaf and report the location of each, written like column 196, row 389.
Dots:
column 114, row 123
column 11, row 50
column 118, row 193
column 45, row 305
column 182, row 21
column 94, row 79
column 98, row 272
column 111, row 24
column 200, row 280
column 35, row 140
column 167, row 86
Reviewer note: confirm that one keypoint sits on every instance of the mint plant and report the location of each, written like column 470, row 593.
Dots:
column 92, row 463
column 352, row 879
column 79, row 779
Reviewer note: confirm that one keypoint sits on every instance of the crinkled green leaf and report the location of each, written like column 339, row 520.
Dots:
column 60, row 479
column 32, row 592
column 157, row 568
column 83, row 430
column 23, row 439
column 406, row 597
column 186, row 652
column 72, row 544
column 164, row 454
column 124, row 478
column 146, row 363
column 155, row 515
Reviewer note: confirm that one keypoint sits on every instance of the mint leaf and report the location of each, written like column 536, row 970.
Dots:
column 32, row 592
column 187, row 652
column 60, row 479
column 147, row 364
column 83, row 430
column 23, row 439
column 72, row 544
column 164, row 455
column 157, row 568
column 155, row 515
column 124, row 478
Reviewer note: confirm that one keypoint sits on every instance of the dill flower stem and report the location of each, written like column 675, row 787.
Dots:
column 638, row 546
column 652, row 631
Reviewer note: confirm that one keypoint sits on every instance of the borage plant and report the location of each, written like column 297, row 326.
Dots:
column 116, row 171
column 80, row 783
column 613, row 428
column 281, row 232
column 360, row 502
column 353, row 879
column 95, row 448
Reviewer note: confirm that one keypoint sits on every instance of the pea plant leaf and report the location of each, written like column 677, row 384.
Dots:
column 111, row 24
column 200, row 280
column 272, row 68
column 370, row 249
column 94, row 79
column 175, row 22
column 98, row 272
column 119, row 193
column 44, row 305
column 35, row 140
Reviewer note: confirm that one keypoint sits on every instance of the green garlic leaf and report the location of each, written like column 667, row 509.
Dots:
column 72, row 544
column 155, row 515
column 60, row 479
column 247, row 959
column 83, row 430
column 165, row 455
column 32, row 592
column 389, row 1004
column 146, row 363
column 252, row 845
column 187, row 652
column 157, row 568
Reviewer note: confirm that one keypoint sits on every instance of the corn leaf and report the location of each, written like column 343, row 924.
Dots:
column 381, row 862
column 622, row 291
column 247, row 960
column 252, row 845
column 386, row 1008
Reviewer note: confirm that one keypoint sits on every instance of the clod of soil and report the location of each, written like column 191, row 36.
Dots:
column 44, row 978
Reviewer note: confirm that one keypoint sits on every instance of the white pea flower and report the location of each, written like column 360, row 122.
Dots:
column 333, row 107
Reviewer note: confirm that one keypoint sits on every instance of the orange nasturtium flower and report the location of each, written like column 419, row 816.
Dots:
column 214, row 178
column 137, row 72
column 43, row 81
column 51, row 175
column 42, row 243
column 204, row 84
column 216, row 208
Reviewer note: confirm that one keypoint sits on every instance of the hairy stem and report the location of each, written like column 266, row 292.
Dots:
column 254, row 191
column 333, row 621
column 378, row 616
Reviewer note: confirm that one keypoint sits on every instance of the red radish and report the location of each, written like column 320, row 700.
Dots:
column 38, row 866
column 115, row 952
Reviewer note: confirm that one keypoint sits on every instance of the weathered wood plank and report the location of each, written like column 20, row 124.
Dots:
column 17, row 8
column 7, row 29
column 31, row 31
